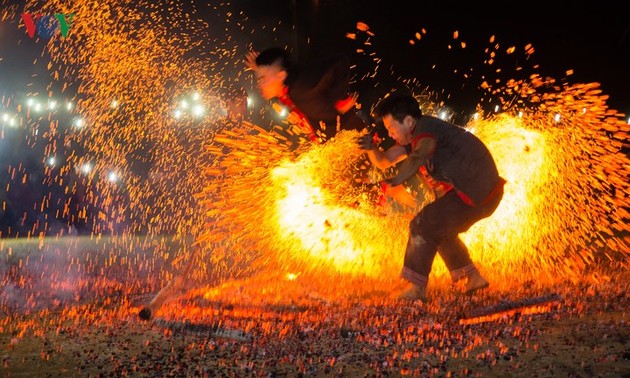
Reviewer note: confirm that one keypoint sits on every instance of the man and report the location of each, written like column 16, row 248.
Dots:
column 463, row 175
column 316, row 96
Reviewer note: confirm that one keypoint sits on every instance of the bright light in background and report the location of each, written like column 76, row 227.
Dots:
column 556, row 117
column 52, row 104
column 443, row 115
column 37, row 107
column 30, row 102
column 198, row 110
column 51, row 161
column 78, row 122
column 86, row 168
column 250, row 102
column 198, row 106
column 497, row 108
column 112, row 176
column 520, row 114
column 9, row 120
column 114, row 104
column 69, row 106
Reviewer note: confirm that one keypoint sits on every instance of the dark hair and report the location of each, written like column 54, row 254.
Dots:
column 275, row 55
column 399, row 106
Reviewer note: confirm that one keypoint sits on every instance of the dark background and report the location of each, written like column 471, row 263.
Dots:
column 593, row 41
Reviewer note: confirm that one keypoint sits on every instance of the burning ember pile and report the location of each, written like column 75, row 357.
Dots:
column 293, row 263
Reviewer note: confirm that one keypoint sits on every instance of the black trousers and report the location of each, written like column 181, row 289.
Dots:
column 437, row 227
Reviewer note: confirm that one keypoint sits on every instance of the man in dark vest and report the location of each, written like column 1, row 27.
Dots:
column 463, row 175
column 317, row 96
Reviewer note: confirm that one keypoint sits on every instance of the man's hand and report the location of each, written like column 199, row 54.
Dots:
column 386, row 184
column 250, row 60
column 347, row 103
column 367, row 142
column 399, row 193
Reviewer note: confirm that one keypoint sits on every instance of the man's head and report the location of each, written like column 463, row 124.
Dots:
column 399, row 114
column 272, row 68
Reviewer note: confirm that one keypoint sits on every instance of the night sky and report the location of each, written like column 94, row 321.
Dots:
column 592, row 41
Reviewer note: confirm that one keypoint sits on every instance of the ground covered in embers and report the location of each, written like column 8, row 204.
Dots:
column 294, row 331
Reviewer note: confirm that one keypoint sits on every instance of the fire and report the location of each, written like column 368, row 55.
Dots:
column 293, row 252
column 521, row 156
column 502, row 315
column 263, row 204
column 299, row 209
column 310, row 217
column 314, row 223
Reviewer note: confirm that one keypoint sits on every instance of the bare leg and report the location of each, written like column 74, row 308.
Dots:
column 167, row 292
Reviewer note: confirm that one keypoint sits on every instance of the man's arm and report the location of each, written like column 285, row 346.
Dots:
column 334, row 82
column 423, row 149
column 347, row 103
column 381, row 159
column 388, row 158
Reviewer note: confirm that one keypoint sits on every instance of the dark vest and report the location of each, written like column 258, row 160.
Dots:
column 460, row 160
column 315, row 90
